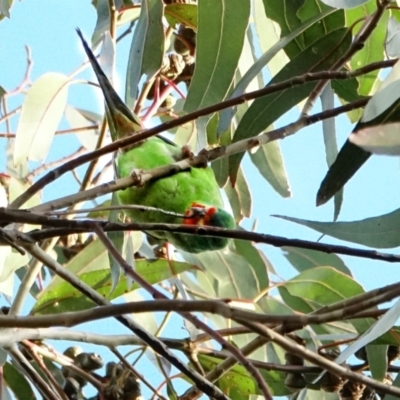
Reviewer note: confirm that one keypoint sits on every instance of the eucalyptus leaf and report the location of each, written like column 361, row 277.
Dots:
column 41, row 113
column 379, row 232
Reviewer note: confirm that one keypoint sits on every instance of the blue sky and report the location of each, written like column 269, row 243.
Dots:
column 48, row 28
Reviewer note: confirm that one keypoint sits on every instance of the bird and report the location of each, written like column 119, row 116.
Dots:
column 190, row 197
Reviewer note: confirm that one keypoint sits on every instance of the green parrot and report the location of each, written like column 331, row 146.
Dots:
column 193, row 193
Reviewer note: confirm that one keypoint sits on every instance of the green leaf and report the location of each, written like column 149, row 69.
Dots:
column 322, row 286
column 379, row 365
column 384, row 107
column 256, row 259
column 227, row 115
column 147, row 47
column 264, row 111
column 185, row 14
column 103, row 19
column 234, row 278
column 303, row 259
column 219, row 44
column 17, row 383
column 63, row 297
column 269, row 162
column 333, row 21
column 373, row 48
column 221, row 166
column 92, row 258
column 239, row 197
column 380, row 232
column 41, row 113
column 237, row 382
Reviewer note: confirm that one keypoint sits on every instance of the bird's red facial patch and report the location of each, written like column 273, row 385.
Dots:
column 199, row 215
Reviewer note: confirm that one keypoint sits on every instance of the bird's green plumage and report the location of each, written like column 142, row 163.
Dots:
column 176, row 193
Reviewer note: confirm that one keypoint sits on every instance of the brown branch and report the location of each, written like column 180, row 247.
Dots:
column 219, row 307
column 201, row 159
column 204, row 385
column 194, row 320
column 314, row 358
column 65, row 227
column 52, row 164
column 182, row 120
column 357, row 44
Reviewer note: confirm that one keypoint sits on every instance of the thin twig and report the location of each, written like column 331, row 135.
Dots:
column 194, row 320
column 182, row 120
column 205, row 386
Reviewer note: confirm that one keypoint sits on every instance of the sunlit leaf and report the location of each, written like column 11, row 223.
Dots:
column 373, row 48
column 380, row 139
column 63, row 297
column 41, row 113
column 378, row 329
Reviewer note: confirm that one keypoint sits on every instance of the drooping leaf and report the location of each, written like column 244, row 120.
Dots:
column 41, row 113
column 227, row 115
column 378, row 329
column 256, row 259
column 379, row 366
column 379, row 232
column 329, row 132
column 269, row 162
column 17, row 383
column 63, row 297
column 147, row 48
column 233, row 278
column 264, row 111
column 219, row 44
column 239, row 197
column 383, row 108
